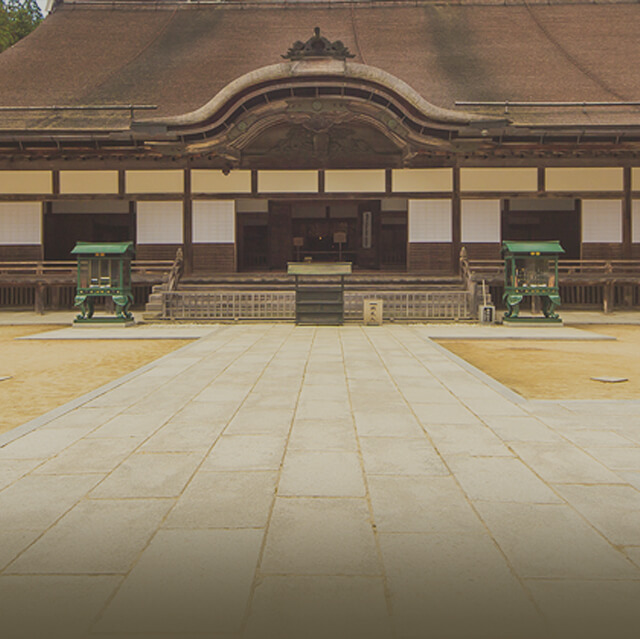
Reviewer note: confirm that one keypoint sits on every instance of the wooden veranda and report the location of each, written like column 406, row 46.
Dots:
column 588, row 284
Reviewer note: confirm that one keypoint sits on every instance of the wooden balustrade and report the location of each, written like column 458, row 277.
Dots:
column 586, row 283
column 480, row 268
column 52, row 284
column 36, row 269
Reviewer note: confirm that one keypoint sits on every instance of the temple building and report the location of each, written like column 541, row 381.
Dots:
column 385, row 133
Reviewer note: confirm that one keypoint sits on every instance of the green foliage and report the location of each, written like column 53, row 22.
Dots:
column 18, row 18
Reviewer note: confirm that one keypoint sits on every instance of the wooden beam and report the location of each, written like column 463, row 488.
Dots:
column 133, row 227
column 187, row 224
column 626, row 215
column 504, row 217
column 456, row 230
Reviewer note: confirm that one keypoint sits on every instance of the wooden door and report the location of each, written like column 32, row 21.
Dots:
column 279, row 234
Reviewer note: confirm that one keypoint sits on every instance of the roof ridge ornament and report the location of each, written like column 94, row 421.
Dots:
column 318, row 47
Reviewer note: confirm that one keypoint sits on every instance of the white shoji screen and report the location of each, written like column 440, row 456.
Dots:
column 20, row 223
column 214, row 221
column 430, row 221
column 480, row 221
column 601, row 221
column 159, row 222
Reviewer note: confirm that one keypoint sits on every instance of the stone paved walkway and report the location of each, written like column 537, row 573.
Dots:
column 292, row 482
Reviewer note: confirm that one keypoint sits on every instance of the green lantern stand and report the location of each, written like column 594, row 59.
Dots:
column 531, row 270
column 104, row 270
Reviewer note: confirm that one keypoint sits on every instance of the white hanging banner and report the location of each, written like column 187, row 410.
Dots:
column 366, row 229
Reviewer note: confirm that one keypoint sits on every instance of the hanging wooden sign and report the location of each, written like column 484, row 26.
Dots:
column 339, row 237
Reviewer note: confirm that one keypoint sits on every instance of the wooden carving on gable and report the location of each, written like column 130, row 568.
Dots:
column 318, row 47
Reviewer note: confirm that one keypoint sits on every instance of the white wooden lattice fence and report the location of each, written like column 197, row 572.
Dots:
column 280, row 305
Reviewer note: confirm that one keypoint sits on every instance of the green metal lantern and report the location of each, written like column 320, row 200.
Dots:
column 531, row 270
column 104, row 270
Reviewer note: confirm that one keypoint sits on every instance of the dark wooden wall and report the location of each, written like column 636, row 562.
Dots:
column 21, row 252
column 430, row 257
column 483, row 250
column 602, row 251
column 156, row 251
column 214, row 258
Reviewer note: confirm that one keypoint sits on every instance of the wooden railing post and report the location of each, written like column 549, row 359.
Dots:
column 608, row 295
column 176, row 271
column 607, row 298
column 39, row 298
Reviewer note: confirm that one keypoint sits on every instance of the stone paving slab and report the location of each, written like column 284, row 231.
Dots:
column 294, row 606
column 272, row 481
column 94, row 537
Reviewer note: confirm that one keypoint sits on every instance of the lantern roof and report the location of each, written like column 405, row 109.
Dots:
column 532, row 248
column 102, row 248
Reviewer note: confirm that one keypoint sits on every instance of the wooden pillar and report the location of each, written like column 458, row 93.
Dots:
column 542, row 182
column 47, row 211
column 133, row 227
column 626, row 215
column 187, row 224
column 504, row 218
column 578, row 209
column 280, row 249
column 456, row 227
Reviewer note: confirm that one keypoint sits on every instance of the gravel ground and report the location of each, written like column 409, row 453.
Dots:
column 41, row 375
column 561, row 370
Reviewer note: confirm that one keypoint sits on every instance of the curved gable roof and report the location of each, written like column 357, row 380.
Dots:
column 179, row 55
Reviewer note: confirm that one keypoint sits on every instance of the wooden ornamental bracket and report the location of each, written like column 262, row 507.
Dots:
column 318, row 47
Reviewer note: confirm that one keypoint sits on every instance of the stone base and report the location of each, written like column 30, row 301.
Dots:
column 529, row 320
column 103, row 321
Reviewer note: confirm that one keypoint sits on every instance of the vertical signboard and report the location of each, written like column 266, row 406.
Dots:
column 366, row 229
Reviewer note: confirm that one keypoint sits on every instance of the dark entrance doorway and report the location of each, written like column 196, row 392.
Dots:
column 353, row 231
column 543, row 220
column 325, row 232
column 393, row 240
column 85, row 221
